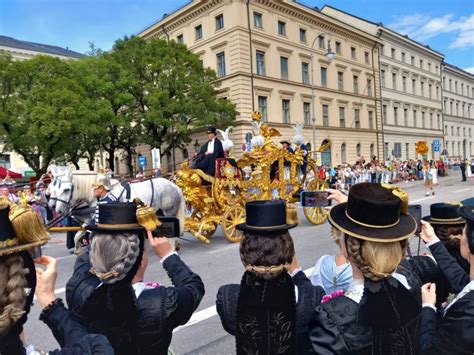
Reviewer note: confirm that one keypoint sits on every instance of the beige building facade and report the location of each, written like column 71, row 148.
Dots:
column 458, row 109
column 24, row 50
column 410, row 80
column 268, row 55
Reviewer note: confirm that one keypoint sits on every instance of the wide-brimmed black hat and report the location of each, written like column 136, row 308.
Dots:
column 212, row 130
column 374, row 212
column 117, row 217
column 285, row 141
column 444, row 213
column 263, row 217
column 467, row 213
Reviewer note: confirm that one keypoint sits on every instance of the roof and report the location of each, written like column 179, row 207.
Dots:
column 380, row 24
column 165, row 15
column 458, row 69
column 38, row 47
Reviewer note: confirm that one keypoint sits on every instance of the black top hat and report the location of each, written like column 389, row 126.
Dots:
column 467, row 212
column 264, row 217
column 212, row 130
column 117, row 217
column 444, row 213
column 373, row 212
column 285, row 141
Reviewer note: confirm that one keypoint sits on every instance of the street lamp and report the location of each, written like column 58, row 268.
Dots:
column 329, row 57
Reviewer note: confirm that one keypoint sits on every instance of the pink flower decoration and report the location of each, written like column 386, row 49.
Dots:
column 152, row 284
column 337, row 293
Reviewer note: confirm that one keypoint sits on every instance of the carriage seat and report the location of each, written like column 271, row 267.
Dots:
column 220, row 165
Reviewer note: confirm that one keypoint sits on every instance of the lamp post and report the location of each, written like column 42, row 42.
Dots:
column 329, row 57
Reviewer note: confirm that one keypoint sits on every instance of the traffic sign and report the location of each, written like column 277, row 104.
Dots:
column 142, row 161
column 435, row 148
column 29, row 173
column 436, row 144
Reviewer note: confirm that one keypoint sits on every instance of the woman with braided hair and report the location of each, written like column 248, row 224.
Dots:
column 19, row 281
column 106, row 293
column 379, row 312
column 269, row 312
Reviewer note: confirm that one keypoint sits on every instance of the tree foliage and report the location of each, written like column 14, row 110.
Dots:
column 151, row 92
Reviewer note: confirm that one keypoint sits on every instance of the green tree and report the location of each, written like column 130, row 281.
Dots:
column 41, row 110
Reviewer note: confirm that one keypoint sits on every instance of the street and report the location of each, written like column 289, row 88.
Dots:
column 218, row 263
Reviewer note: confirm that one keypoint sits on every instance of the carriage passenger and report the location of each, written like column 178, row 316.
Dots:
column 209, row 152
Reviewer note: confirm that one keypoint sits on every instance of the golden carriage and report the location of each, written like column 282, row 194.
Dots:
column 267, row 171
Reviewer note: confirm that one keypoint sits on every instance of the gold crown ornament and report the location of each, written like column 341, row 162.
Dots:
column 146, row 216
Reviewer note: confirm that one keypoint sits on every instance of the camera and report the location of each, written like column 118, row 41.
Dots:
column 169, row 227
column 315, row 199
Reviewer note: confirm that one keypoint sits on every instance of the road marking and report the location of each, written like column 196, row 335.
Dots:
column 422, row 199
column 210, row 312
column 65, row 257
column 457, row 191
column 232, row 246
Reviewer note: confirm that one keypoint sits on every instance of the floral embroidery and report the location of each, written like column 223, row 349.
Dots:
column 337, row 293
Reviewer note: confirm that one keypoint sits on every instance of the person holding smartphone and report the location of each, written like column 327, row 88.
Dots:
column 101, row 292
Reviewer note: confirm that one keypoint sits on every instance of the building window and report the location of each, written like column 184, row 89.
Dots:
column 415, row 124
column 281, row 28
column 343, row 153
column 340, row 81
column 285, row 107
column 219, row 22
column 458, row 131
column 169, row 162
column 385, row 151
column 382, row 78
column 407, row 150
column 369, row 87
column 395, row 116
column 257, row 19
column 260, row 63
column 457, row 109
column 342, row 117
column 413, row 60
column 305, row 73
column 302, row 35
column 452, row 130
column 397, row 150
column 405, row 117
column 355, row 79
column 321, row 42
column 338, row 47
column 429, row 66
column 421, row 63
column 384, row 114
column 456, row 87
column 413, row 86
column 393, row 53
column 284, row 68
column 262, row 107
column 394, row 81
column 306, row 112
column 371, row 120
column 423, row 120
column 450, row 85
column 366, row 56
column 324, row 81
column 422, row 88
column 437, row 93
column 353, row 53
column 462, row 89
column 470, row 133
column 357, row 118
column 5, row 161
column 403, row 57
column 372, row 150
column 221, row 64
column 180, row 39
column 325, row 115
column 358, row 150
column 404, row 83
column 198, row 32
column 431, row 121
column 439, row 121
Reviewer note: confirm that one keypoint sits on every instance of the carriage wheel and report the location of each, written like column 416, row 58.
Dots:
column 208, row 233
column 316, row 215
column 233, row 216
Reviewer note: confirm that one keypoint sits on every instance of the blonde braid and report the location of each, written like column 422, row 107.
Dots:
column 13, row 297
column 376, row 260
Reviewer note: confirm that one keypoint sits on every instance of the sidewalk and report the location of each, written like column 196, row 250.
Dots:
column 453, row 176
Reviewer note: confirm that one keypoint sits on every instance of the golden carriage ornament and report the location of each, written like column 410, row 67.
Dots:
column 272, row 173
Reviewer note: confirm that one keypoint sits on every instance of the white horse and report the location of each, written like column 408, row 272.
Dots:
column 70, row 189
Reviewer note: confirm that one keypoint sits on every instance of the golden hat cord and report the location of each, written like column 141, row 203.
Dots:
column 401, row 194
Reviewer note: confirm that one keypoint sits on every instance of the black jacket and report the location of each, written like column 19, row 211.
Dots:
column 160, row 310
column 335, row 328
column 70, row 334
column 309, row 297
column 207, row 163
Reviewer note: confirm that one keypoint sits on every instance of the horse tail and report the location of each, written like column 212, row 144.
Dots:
column 181, row 212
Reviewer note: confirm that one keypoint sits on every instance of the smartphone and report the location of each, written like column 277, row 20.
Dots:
column 415, row 212
column 315, row 199
column 169, row 227
column 35, row 252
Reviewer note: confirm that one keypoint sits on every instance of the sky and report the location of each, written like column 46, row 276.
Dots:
column 445, row 25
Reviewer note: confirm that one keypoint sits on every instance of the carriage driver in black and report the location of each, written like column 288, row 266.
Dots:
column 209, row 152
